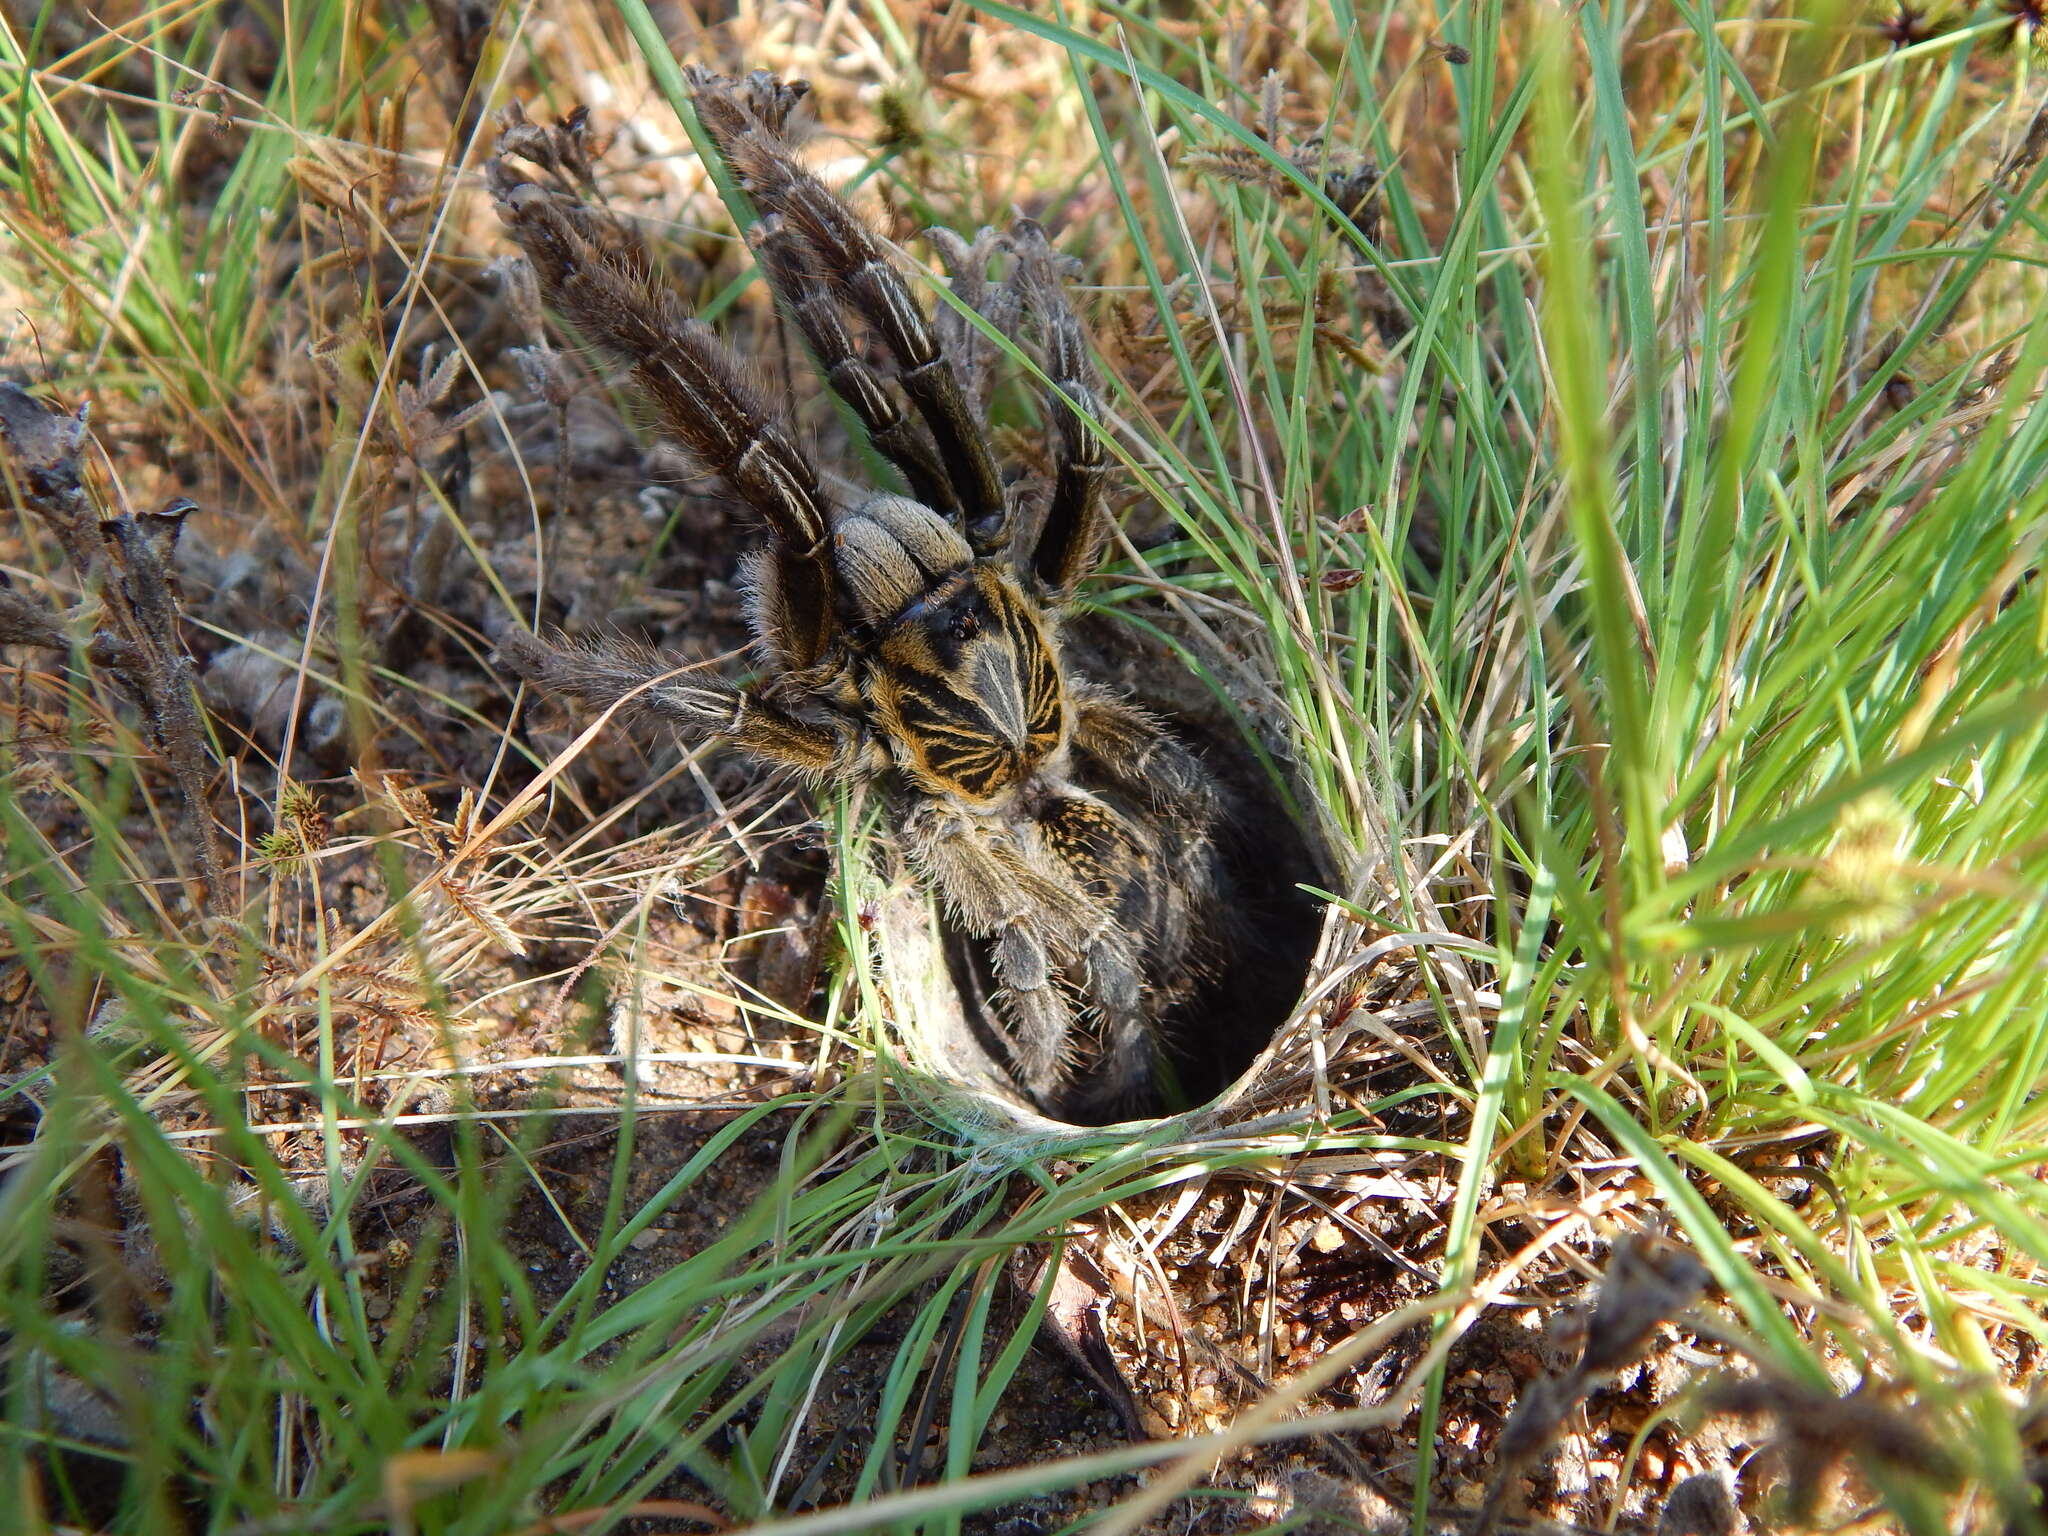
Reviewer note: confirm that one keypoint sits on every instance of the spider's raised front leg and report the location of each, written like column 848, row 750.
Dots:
column 810, row 302
column 846, row 253
column 642, row 684
column 1070, row 541
column 703, row 400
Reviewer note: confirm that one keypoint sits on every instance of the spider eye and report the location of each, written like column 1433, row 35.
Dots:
column 965, row 623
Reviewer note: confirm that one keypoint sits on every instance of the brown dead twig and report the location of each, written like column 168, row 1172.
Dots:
column 127, row 627
column 1817, row 1430
column 1643, row 1290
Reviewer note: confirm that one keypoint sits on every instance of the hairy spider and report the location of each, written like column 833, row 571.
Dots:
column 915, row 640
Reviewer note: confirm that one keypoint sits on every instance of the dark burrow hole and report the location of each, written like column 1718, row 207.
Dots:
column 1208, row 1041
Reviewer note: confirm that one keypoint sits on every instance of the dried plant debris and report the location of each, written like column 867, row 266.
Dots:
column 1351, row 182
column 465, row 29
column 1818, row 1431
column 1815, row 1433
column 459, row 849
column 968, row 264
column 1644, row 1288
column 563, row 149
column 1078, row 1294
column 1312, row 1501
column 128, row 627
column 379, row 208
column 1702, row 1505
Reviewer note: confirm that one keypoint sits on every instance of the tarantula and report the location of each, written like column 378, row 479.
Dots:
column 914, row 640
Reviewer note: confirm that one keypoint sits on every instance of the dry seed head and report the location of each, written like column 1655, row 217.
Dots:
column 1906, row 25
column 481, row 913
column 1272, row 91
column 900, row 128
column 2029, row 24
column 1232, row 163
column 300, row 820
column 522, row 295
column 281, row 850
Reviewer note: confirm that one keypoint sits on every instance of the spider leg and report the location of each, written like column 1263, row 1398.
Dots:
column 1040, row 1019
column 1120, row 1076
column 1043, row 1025
column 1130, row 753
column 1039, row 927
column 699, row 393
column 643, row 684
column 854, row 262
column 1070, row 542
column 1134, row 751
column 811, row 303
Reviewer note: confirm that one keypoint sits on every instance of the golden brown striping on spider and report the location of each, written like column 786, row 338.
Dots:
column 914, row 640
